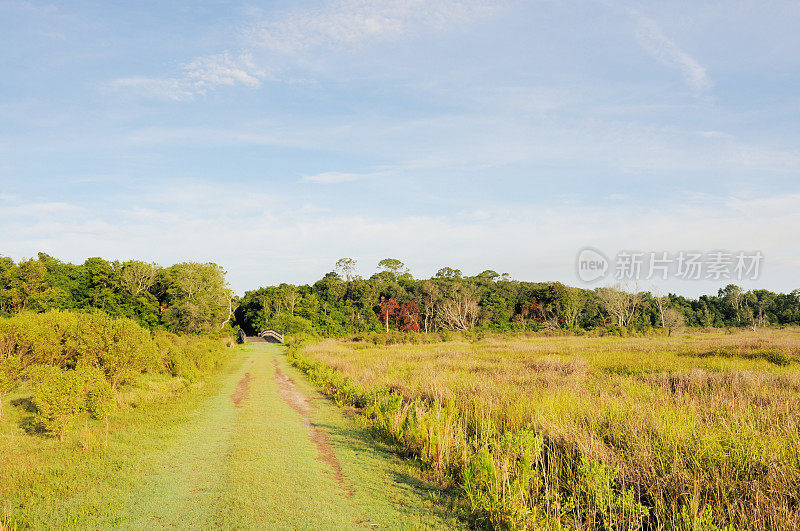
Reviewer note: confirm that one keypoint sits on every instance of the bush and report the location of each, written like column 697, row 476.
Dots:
column 119, row 348
column 61, row 394
column 9, row 369
column 188, row 357
column 130, row 352
column 77, row 361
column 290, row 324
column 57, row 397
column 98, row 395
column 65, row 339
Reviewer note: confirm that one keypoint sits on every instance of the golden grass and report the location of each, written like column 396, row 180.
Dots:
column 668, row 433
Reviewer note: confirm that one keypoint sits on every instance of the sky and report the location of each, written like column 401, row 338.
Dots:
column 275, row 137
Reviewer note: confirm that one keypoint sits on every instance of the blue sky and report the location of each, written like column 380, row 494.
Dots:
column 276, row 137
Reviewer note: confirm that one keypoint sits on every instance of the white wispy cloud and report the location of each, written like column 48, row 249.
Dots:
column 352, row 22
column 199, row 75
column 280, row 38
column 224, row 70
column 666, row 51
column 304, row 243
column 40, row 208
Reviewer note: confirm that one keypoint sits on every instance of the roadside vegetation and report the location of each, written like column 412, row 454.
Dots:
column 76, row 365
column 84, row 351
column 83, row 475
column 691, row 432
column 83, row 396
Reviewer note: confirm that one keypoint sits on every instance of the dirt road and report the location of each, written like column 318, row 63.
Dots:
column 267, row 451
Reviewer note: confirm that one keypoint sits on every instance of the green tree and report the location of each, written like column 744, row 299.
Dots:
column 100, row 285
column 732, row 297
column 394, row 267
column 488, row 275
column 197, row 297
column 28, row 288
column 346, row 268
column 448, row 273
column 58, row 398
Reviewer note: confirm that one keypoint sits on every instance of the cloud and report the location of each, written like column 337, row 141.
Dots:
column 666, row 51
column 279, row 39
column 716, row 134
column 200, row 75
column 352, row 22
column 38, row 209
column 301, row 244
column 333, row 177
column 224, row 70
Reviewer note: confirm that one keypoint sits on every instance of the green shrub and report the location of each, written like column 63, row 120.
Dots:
column 58, row 397
column 9, row 369
column 480, row 484
column 130, row 352
column 76, row 361
column 98, row 396
column 189, row 357
column 61, row 394
column 603, row 506
column 290, row 324
column 65, row 339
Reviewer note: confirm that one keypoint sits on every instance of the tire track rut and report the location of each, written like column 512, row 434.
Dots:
column 301, row 404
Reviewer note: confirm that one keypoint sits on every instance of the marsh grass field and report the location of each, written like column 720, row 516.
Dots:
column 698, row 431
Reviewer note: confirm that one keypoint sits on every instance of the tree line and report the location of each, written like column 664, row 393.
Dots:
column 188, row 297
column 342, row 302
column 194, row 298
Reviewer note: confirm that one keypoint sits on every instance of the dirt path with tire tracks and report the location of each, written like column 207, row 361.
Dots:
column 270, row 452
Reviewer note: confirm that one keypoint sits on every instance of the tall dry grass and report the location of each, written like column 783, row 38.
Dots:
column 616, row 433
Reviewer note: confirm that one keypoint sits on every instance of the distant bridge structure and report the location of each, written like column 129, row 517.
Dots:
column 272, row 336
column 267, row 336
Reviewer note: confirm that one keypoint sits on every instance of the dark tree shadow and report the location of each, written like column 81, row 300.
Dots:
column 27, row 422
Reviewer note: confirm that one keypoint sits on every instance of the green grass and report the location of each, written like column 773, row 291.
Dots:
column 672, row 433
column 190, row 458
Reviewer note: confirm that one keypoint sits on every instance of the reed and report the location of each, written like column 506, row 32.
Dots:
column 691, row 432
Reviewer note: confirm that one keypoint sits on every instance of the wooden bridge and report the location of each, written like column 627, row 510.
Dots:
column 267, row 336
column 272, row 336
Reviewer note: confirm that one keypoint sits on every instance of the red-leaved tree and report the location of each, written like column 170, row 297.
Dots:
column 387, row 309
column 408, row 320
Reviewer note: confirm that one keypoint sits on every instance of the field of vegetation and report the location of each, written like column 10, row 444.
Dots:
column 77, row 363
column 72, row 380
column 697, row 431
column 536, row 404
column 106, row 424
